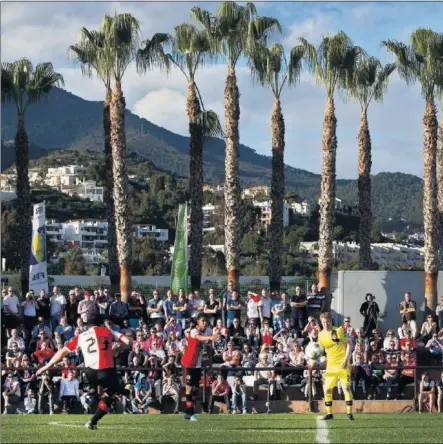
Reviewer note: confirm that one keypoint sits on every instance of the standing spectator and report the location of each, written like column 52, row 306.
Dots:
column 69, row 391
column 155, row 308
column 168, row 305
column 220, row 392
column 408, row 313
column 239, row 391
column 170, row 390
column 30, row 306
column 212, row 308
column 57, row 307
column 428, row 328
column 252, row 314
column 316, row 302
column 278, row 310
column 72, row 308
column 11, row 392
column 298, row 309
column 43, row 309
column 439, row 314
column 103, row 302
column 87, row 308
column 226, row 296
column 118, row 310
column 233, row 308
column 180, row 308
column 370, row 311
column 264, row 307
column 11, row 305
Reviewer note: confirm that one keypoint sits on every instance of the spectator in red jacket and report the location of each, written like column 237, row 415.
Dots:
column 220, row 392
column 43, row 355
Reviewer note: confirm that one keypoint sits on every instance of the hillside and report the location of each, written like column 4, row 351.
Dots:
column 66, row 121
column 8, row 154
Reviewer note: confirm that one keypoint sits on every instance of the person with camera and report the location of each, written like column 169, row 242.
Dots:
column 370, row 311
column 30, row 307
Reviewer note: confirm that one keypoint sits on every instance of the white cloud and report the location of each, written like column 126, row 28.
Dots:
column 312, row 29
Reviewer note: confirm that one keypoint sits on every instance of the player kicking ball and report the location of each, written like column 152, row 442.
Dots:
column 191, row 361
column 96, row 346
column 338, row 351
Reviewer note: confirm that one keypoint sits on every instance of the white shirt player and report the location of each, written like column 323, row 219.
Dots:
column 96, row 346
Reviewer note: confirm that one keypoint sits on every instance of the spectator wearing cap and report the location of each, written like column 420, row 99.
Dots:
column 87, row 308
column 57, row 306
column 118, row 310
column 408, row 312
column 316, row 302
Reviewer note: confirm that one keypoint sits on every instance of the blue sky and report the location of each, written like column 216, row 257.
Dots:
column 43, row 32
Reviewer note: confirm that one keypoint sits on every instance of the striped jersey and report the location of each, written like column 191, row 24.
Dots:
column 96, row 346
column 192, row 355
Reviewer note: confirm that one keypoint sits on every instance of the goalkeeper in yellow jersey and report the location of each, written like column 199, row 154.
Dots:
column 338, row 351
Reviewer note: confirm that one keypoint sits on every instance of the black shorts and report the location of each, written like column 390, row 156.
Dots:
column 106, row 378
column 193, row 376
column 11, row 321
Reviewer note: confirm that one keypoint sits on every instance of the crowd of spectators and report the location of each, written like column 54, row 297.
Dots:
column 258, row 331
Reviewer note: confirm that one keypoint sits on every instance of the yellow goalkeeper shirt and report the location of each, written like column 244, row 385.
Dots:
column 334, row 342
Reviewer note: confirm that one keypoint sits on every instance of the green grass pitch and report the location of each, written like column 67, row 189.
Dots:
column 222, row 428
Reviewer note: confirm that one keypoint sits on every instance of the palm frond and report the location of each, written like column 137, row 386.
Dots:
column 152, row 53
column 295, row 64
column 209, row 123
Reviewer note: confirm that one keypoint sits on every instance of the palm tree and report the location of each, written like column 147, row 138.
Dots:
column 94, row 57
column 421, row 61
column 23, row 86
column 231, row 32
column 440, row 190
column 333, row 62
column 269, row 67
column 190, row 48
column 368, row 83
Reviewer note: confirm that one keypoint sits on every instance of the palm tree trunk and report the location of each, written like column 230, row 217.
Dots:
column 195, row 188
column 430, row 127
column 440, row 192
column 24, row 201
column 232, row 181
column 121, row 197
column 364, row 192
column 277, row 195
column 327, row 196
column 114, row 270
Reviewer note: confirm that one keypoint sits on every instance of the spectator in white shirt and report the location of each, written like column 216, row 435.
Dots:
column 11, row 392
column 29, row 402
column 17, row 339
column 69, row 392
column 155, row 308
column 264, row 306
column 58, row 307
column 11, row 310
column 30, row 307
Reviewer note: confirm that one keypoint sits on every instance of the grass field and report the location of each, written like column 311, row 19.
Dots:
column 274, row 428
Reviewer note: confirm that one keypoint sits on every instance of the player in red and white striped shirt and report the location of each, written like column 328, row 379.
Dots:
column 96, row 346
column 191, row 361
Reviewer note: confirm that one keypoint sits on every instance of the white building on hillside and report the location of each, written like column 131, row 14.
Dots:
column 208, row 217
column 341, row 206
column 89, row 190
column 149, row 230
column 252, row 192
column 266, row 212
column 302, row 208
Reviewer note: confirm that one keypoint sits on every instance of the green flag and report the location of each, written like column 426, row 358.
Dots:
column 179, row 268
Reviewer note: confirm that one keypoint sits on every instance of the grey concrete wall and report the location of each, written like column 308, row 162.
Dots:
column 350, row 287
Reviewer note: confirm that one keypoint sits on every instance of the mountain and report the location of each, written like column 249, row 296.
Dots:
column 65, row 121
column 8, row 153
